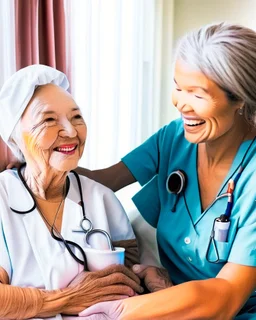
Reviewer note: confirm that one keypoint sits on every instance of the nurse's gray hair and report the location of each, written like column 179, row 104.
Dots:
column 225, row 53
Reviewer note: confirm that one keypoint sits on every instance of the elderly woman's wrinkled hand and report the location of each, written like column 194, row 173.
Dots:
column 155, row 278
column 112, row 283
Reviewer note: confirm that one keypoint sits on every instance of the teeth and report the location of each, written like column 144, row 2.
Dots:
column 65, row 149
column 193, row 122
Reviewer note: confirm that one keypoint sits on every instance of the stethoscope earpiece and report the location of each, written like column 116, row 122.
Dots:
column 175, row 184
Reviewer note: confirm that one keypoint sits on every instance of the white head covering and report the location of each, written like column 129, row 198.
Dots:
column 19, row 89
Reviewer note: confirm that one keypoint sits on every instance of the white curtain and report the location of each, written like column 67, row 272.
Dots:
column 115, row 49
column 7, row 40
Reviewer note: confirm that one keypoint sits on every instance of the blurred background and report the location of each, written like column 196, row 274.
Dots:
column 118, row 56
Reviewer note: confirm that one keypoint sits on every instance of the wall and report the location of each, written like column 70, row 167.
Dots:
column 189, row 14
column 179, row 17
column 168, row 112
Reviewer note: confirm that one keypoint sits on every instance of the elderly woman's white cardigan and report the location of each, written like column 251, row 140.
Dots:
column 29, row 254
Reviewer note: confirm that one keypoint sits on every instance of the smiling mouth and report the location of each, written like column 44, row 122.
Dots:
column 193, row 123
column 66, row 150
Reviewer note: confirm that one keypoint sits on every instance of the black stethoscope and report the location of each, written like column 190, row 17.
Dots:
column 176, row 183
column 85, row 224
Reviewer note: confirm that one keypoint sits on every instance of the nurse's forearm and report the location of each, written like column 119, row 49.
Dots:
column 115, row 177
column 205, row 299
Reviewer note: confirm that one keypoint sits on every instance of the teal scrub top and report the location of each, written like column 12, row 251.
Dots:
column 184, row 236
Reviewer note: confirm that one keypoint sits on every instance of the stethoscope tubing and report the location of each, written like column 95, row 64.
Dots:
column 88, row 231
column 228, row 210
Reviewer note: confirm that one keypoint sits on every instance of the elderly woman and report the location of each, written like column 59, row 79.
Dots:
column 200, row 190
column 42, row 261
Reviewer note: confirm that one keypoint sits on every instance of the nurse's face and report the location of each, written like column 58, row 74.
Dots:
column 53, row 130
column 206, row 112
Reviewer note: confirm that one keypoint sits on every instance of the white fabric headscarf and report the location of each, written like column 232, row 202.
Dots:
column 19, row 89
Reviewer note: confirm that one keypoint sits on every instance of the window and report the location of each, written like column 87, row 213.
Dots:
column 113, row 53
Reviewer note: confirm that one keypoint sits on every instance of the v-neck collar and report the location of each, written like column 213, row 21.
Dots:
column 20, row 200
column 237, row 162
column 39, row 236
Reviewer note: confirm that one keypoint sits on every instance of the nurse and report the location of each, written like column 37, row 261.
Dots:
column 7, row 158
column 206, row 229
column 43, row 269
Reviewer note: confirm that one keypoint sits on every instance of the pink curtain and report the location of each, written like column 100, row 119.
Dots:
column 40, row 38
column 40, row 33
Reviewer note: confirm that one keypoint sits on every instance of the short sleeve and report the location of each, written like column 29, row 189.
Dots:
column 147, row 202
column 143, row 162
column 153, row 155
column 149, row 165
column 4, row 255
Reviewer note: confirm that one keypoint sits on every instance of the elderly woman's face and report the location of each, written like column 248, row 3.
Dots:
column 205, row 109
column 53, row 129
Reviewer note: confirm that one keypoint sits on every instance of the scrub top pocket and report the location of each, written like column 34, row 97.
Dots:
column 218, row 251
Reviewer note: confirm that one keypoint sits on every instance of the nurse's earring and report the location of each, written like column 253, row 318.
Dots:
column 241, row 111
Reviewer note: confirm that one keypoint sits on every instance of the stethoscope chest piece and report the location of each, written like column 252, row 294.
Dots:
column 104, row 245
column 175, row 184
column 86, row 225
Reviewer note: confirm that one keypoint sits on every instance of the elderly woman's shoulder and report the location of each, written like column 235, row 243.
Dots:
column 8, row 174
column 9, row 181
column 89, row 184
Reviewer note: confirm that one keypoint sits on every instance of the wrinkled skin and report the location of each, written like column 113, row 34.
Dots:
column 155, row 279
column 112, row 283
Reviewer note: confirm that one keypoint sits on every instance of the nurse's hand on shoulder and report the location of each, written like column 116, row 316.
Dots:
column 111, row 310
column 112, row 283
column 7, row 159
column 155, row 278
